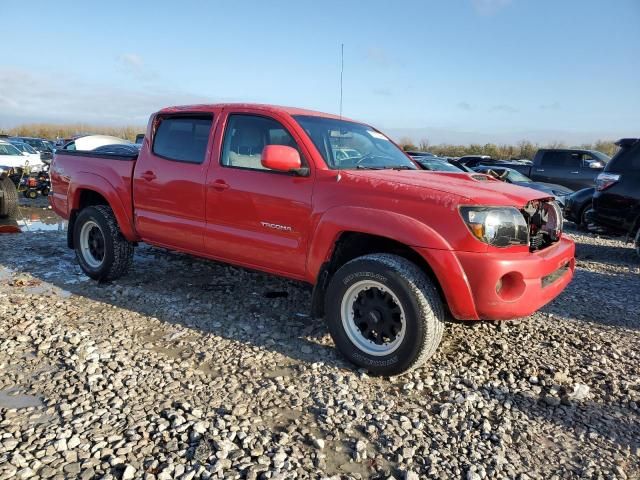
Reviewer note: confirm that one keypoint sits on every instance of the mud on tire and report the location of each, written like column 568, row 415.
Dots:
column 116, row 255
column 357, row 299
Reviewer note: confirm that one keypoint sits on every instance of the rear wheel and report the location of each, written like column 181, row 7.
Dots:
column 102, row 252
column 10, row 207
column 384, row 314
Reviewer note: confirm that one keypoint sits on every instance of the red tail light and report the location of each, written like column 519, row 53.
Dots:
column 605, row 180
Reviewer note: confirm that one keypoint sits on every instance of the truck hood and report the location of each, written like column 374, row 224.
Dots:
column 471, row 187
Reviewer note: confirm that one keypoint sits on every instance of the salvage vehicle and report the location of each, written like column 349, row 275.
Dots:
column 386, row 246
column 11, row 156
column 8, row 194
column 511, row 175
column 43, row 147
column 91, row 142
column 438, row 164
column 571, row 168
column 616, row 201
column 577, row 205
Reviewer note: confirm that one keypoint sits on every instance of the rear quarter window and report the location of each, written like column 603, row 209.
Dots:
column 627, row 158
column 183, row 138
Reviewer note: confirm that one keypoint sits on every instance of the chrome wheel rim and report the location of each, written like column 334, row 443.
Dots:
column 92, row 244
column 373, row 318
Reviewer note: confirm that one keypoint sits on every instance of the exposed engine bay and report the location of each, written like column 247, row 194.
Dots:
column 544, row 218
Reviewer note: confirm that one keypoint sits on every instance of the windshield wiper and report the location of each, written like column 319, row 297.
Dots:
column 398, row 167
column 365, row 167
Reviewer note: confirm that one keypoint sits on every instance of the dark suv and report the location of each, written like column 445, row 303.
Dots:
column 616, row 203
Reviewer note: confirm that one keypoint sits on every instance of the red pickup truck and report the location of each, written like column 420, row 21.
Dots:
column 332, row 202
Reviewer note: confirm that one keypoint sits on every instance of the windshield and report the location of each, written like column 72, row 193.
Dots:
column 437, row 165
column 349, row 145
column 25, row 147
column 8, row 149
column 600, row 156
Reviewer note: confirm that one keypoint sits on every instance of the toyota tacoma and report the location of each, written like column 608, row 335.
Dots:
column 390, row 249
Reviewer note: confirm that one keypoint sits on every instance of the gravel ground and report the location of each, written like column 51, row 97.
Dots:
column 192, row 369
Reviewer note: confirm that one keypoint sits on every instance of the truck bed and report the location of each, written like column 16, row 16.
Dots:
column 107, row 174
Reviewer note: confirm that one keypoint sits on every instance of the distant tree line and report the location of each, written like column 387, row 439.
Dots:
column 522, row 150
column 53, row 131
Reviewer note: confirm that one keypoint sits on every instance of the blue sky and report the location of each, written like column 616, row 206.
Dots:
column 450, row 71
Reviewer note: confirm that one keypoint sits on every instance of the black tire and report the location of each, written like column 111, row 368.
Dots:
column 117, row 252
column 10, row 207
column 583, row 224
column 45, row 192
column 31, row 194
column 416, row 295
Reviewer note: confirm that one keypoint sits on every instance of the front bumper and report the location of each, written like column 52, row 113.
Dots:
column 502, row 286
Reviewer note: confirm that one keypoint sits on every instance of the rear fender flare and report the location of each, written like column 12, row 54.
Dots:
column 92, row 182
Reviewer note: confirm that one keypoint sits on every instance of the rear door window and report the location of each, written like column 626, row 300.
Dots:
column 183, row 138
column 561, row 159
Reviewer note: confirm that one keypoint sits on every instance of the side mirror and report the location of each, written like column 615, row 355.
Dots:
column 282, row 159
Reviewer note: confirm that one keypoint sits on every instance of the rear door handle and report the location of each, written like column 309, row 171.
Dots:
column 574, row 172
column 148, row 176
column 219, row 185
column 539, row 169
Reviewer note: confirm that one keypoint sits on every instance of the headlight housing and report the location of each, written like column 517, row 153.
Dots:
column 496, row 226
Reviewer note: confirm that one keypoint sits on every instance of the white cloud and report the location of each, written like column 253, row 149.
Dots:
column 58, row 97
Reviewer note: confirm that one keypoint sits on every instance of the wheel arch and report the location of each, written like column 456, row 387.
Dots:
column 89, row 190
column 338, row 239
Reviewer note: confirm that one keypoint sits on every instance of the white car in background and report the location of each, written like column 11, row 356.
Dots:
column 28, row 151
column 11, row 156
column 91, row 142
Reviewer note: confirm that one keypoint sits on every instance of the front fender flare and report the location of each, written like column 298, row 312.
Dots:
column 395, row 226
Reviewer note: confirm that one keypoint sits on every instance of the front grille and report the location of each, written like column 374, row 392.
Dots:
column 544, row 218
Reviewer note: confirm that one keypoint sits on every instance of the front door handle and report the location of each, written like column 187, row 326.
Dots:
column 148, row 175
column 539, row 169
column 574, row 172
column 220, row 185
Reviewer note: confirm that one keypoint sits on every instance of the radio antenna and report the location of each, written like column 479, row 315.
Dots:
column 341, row 72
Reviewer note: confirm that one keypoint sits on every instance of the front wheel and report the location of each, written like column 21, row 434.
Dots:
column 101, row 250
column 384, row 314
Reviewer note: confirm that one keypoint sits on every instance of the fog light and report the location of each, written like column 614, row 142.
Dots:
column 510, row 286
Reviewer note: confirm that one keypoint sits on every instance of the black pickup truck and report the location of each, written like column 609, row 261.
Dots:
column 572, row 168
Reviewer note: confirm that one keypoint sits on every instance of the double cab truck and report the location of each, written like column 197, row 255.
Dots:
column 390, row 249
column 571, row 168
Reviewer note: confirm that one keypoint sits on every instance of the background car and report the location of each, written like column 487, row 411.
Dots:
column 11, row 156
column 27, row 151
column 473, row 161
column 437, row 164
column 510, row 175
column 123, row 149
column 43, row 147
column 573, row 168
column 91, row 142
column 577, row 205
column 616, row 202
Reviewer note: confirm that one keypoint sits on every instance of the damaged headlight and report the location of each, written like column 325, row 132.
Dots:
column 497, row 226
